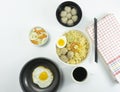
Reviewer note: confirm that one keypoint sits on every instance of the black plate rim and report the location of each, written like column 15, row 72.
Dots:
column 24, row 66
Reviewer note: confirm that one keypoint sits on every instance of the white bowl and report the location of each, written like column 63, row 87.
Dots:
column 88, row 55
column 36, row 37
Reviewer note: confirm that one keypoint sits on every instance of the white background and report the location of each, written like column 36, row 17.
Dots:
column 18, row 17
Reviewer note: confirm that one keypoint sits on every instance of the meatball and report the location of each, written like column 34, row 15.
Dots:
column 63, row 51
column 70, row 54
column 64, row 58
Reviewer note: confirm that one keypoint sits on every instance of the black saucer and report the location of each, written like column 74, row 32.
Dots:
column 26, row 76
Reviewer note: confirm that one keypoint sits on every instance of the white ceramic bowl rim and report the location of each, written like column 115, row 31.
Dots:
column 89, row 51
column 44, row 39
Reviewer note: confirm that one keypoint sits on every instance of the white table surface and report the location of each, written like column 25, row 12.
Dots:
column 18, row 17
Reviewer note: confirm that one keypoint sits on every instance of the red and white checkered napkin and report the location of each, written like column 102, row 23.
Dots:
column 109, row 42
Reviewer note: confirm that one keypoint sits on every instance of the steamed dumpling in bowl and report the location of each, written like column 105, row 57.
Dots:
column 69, row 15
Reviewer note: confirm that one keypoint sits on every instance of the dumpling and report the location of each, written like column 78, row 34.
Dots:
column 67, row 9
column 70, row 22
column 73, row 11
column 69, row 16
column 64, row 51
column 75, row 18
column 64, row 20
column 63, row 13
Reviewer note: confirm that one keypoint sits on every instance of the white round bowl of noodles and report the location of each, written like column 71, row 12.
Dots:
column 73, row 47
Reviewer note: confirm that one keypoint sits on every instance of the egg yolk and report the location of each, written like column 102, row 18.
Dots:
column 43, row 76
column 61, row 42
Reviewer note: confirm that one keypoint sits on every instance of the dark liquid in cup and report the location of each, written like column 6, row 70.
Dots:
column 79, row 74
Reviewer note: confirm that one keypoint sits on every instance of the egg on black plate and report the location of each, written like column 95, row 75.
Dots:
column 42, row 76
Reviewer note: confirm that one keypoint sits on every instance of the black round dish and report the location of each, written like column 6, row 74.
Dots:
column 79, row 74
column 73, row 5
column 26, row 75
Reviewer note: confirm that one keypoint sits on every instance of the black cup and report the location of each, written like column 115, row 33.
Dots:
column 79, row 74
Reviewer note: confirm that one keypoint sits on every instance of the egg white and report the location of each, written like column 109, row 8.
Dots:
column 42, row 83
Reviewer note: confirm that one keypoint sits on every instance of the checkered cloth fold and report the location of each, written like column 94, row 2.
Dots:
column 109, row 42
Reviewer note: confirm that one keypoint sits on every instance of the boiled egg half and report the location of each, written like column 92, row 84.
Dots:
column 61, row 42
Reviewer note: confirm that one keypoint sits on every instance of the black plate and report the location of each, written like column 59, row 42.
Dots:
column 73, row 5
column 26, row 75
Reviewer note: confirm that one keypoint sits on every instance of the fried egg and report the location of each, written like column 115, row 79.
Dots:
column 42, row 76
column 61, row 42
